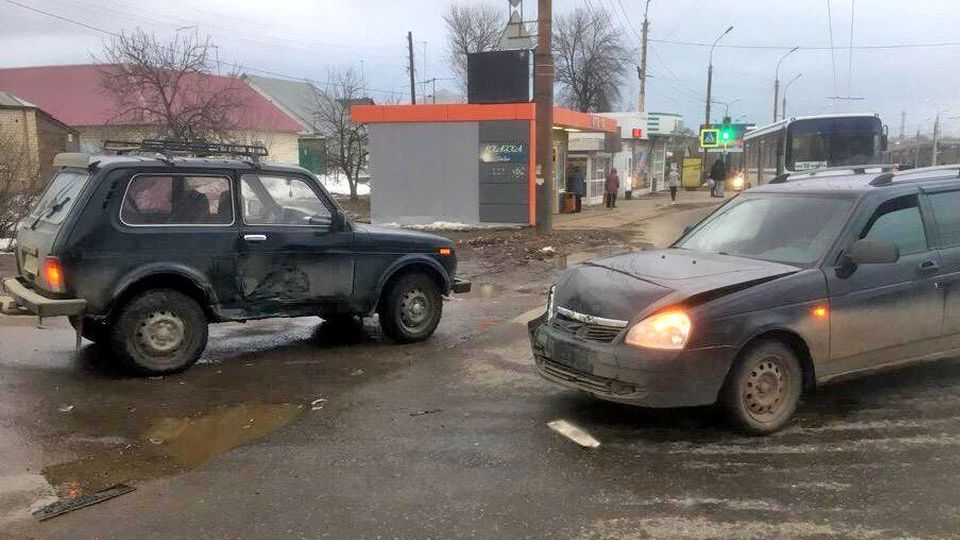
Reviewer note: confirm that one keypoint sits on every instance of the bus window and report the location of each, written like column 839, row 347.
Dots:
column 831, row 142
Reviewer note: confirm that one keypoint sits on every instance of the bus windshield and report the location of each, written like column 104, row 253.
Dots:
column 833, row 142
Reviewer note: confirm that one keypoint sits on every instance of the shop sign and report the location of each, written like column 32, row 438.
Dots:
column 503, row 153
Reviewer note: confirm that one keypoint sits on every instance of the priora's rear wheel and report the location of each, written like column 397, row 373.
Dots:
column 763, row 388
column 159, row 332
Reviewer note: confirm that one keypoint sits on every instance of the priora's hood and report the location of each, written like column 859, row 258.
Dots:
column 623, row 286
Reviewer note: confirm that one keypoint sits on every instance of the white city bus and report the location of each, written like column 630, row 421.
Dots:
column 812, row 142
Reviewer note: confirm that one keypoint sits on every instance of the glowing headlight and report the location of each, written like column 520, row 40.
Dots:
column 668, row 330
column 738, row 182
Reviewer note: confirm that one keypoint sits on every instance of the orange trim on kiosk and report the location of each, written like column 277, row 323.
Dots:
column 532, row 176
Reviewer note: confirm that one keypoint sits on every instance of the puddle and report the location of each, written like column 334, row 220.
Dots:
column 171, row 446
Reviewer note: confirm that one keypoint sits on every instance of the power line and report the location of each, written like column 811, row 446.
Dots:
column 231, row 64
column 809, row 47
column 853, row 4
column 833, row 52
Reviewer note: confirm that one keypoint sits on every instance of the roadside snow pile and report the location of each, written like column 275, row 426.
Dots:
column 6, row 244
column 455, row 226
column 337, row 184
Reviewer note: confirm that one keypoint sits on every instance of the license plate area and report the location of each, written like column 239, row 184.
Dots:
column 570, row 356
column 29, row 263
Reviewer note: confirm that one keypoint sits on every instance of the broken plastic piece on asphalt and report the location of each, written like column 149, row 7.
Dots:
column 574, row 433
column 69, row 505
column 548, row 250
column 66, row 408
column 427, row 411
column 156, row 441
column 356, row 372
column 317, row 404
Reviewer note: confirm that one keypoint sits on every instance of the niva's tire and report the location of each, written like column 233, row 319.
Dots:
column 410, row 308
column 763, row 388
column 159, row 332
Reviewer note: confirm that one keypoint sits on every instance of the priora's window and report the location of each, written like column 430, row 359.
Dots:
column 178, row 200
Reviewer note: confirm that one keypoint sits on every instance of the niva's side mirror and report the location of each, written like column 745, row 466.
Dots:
column 873, row 252
column 686, row 230
column 338, row 222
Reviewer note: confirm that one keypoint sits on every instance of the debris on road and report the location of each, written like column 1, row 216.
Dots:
column 574, row 433
column 66, row 408
column 427, row 411
column 317, row 404
column 63, row 506
column 156, row 441
column 549, row 251
column 356, row 373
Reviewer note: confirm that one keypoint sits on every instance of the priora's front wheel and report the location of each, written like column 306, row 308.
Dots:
column 763, row 388
column 159, row 332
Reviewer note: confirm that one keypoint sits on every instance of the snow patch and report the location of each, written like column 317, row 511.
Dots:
column 6, row 244
column 452, row 226
column 337, row 184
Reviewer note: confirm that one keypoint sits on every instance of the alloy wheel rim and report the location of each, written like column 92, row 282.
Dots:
column 766, row 389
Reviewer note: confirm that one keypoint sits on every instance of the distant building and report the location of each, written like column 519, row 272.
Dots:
column 72, row 94
column 34, row 132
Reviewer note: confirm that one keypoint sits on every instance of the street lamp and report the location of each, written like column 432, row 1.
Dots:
column 783, row 112
column 776, row 81
column 726, row 105
column 710, row 72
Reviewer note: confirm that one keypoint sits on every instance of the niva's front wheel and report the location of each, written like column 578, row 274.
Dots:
column 411, row 308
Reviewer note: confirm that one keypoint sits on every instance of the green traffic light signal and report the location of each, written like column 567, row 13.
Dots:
column 726, row 135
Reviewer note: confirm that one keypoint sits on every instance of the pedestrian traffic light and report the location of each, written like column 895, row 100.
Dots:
column 726, row 135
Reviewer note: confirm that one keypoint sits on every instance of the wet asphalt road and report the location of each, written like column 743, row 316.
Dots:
column 291, row 430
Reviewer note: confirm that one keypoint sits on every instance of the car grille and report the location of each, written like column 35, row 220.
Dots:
column 583, row 380
column 590, row 332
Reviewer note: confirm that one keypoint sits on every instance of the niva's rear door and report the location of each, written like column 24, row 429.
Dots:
column 38, row 232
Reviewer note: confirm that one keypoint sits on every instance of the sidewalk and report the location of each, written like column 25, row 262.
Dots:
column 638, row 209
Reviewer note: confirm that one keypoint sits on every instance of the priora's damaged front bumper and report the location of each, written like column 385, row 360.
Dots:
column 626, row 374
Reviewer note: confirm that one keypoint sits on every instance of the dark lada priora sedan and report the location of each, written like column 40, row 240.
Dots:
column 782, row 287
column 142, row 252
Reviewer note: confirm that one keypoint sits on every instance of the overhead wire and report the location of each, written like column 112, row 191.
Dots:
column 833, row 51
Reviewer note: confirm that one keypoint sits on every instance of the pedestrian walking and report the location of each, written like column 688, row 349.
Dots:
column 718, row 175
column 673, row 182
column 611, row 188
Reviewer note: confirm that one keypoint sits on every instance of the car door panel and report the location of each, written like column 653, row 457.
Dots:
column 886, row 313
column 944, row 206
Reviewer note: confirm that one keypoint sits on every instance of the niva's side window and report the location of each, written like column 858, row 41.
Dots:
column 898, row 221
column 177, row 200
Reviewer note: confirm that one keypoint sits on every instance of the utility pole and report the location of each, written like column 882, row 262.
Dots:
column 543, row 75
column 642, row 104
column 710, row 73
column 903, row 124
column 936, row 140
column 413, row 83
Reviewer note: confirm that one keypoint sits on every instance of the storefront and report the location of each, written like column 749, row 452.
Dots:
column 461, row 163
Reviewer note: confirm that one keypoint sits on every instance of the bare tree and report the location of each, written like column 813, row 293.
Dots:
column 471, row 28
column 346, row 141
column 591, row 60
column 167, row 84
column 19, row 183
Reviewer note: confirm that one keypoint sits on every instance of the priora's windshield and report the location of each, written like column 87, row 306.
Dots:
column 786, row 228
column 833, row 142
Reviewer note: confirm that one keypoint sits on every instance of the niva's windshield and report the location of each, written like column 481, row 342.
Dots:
column 792, row 229
column 833, row 142
column 54, row 206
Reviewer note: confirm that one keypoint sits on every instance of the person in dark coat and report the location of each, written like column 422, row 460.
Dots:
column 611, row 188
column 718, row 173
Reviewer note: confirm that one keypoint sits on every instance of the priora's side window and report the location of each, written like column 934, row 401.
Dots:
column 898, row 221
column 946, row 214
column 177, row 200
column 281, row 200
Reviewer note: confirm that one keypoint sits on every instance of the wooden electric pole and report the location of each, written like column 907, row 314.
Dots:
column 543, row 75
column 642, row 104
column 413, row 84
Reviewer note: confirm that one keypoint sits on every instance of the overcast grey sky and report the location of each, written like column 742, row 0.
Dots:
column 303, row 38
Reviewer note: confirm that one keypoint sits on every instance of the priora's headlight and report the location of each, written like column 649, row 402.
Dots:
column 667, row 330
column 738, row 182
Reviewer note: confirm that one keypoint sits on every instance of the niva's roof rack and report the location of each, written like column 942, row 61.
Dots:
column 170, row 147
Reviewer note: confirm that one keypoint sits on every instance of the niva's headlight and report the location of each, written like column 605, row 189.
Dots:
column 667, row 330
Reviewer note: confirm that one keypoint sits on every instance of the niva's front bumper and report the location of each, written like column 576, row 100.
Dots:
column 626, row 374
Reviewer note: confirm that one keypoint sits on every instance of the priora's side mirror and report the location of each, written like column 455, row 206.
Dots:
column 873, row 252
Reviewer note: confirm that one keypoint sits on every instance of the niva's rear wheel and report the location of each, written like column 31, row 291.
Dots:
column 159, row 332
column 763, row 388
column 411, row 308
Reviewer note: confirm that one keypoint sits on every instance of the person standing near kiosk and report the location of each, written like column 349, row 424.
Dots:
column 718, row 174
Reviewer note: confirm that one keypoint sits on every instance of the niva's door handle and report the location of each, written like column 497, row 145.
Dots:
column 929, row 266
column 255, row 237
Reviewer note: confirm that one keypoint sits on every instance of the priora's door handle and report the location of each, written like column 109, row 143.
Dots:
column 929, row 266
column 255, row 237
